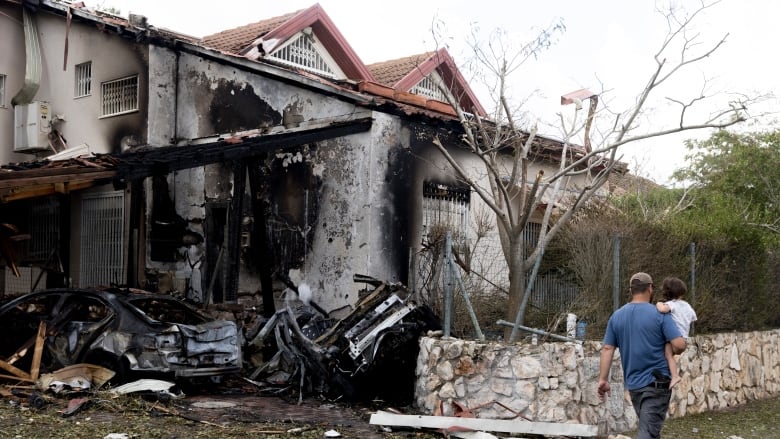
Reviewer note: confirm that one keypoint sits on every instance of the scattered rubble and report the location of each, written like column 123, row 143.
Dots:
column 369, row 355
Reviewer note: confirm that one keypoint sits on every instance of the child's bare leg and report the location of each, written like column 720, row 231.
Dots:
column 672, row 365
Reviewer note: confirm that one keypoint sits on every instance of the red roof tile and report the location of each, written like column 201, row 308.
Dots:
column 404, row 73
column 390, row 72
column 235, row 40
column 276, row 31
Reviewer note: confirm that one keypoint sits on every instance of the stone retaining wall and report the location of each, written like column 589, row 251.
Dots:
column 556, row 382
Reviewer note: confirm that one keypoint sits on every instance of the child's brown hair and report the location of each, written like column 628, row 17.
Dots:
column 673, row 288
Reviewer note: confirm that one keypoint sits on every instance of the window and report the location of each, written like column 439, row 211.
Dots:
column 2, row 91
column 119, row 96
column 306, row 53
column 83, row 80
column 429, row 87
column 445, row 208
column 102, row 239
column 44, row 224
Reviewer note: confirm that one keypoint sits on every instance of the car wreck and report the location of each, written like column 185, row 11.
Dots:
column 301, row 349
column 128, row 331
column 369, row 354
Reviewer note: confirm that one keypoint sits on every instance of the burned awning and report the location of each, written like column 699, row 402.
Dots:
column 44, row 177
column 147, row 161
column 40, row 179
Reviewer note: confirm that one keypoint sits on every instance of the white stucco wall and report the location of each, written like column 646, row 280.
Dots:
column 12, row 66
column 112, row 58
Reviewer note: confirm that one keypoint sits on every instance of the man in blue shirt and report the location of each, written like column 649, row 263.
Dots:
column 640, row 332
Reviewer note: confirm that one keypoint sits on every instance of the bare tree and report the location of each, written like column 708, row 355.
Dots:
column 508, row 150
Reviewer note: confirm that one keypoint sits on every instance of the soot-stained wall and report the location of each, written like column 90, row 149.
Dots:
column 360, row 182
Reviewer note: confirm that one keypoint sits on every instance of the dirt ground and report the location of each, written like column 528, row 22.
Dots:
column 226, row 413
column 240, row 412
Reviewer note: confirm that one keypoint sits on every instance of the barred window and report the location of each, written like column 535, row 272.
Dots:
column 44, row 224
column 2, row 90
column 83, row 80
column 306, row 53
column 429, row 87
column 119, row 96
column 102, row 239
column 445, row 208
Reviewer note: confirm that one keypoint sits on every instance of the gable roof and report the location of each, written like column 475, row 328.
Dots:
column 392, row 71
column 258, row 39
column 236, row 39
column 404, row 73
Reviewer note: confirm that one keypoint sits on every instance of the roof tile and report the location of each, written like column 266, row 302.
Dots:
column 236, row 39
column 390, row 72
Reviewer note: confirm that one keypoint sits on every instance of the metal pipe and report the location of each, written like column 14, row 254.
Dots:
column 33, row 66
column 616, row 273
column 467, row 299
column 447, row 285
column 537, row 331
column 693, row 280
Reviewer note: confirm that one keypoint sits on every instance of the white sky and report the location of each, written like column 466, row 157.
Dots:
column 609, row 42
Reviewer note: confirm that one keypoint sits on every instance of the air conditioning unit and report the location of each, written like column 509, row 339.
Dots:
column 32, row 125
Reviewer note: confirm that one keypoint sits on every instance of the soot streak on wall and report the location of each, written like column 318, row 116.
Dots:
column 236, row 107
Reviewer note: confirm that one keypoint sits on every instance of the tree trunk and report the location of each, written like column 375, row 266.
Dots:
column 516, row 282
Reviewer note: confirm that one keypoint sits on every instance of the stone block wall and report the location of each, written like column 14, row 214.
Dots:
column 556, row 382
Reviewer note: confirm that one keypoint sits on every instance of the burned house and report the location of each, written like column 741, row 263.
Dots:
column 222, row 168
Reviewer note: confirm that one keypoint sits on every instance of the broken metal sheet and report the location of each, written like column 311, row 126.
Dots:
column 364, row 355
column 75, row 406
column 159, row 387
column 80, row 376
column 495, row 425
column 366, row 332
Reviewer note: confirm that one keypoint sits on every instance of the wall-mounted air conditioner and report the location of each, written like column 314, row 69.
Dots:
column 32, row 125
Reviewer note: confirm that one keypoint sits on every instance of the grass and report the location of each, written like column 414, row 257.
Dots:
column 757, row 419
column 140, row 419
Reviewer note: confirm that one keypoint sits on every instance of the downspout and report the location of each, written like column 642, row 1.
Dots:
column 175, row 139
column 32, row 71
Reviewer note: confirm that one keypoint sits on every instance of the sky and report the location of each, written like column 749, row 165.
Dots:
column 607, row 45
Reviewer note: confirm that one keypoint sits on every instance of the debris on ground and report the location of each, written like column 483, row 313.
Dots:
column 76, row 377
column 147, row 386
column 370, row 353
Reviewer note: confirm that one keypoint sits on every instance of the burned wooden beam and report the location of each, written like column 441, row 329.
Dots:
column 159, row 161
column 40, row 340
column 18, row 373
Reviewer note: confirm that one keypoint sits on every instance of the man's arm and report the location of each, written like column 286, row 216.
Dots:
column 605, row 364
column 678, row 345
column 663, row 308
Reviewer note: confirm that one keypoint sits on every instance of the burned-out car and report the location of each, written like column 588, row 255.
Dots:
column 369, row 354
column 128, row 331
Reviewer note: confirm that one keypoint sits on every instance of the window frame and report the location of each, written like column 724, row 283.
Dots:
column 3, row 86
column 80, row 90
column 317, row 47
column 448, row 206
column 440, row 91
column 121, row 112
